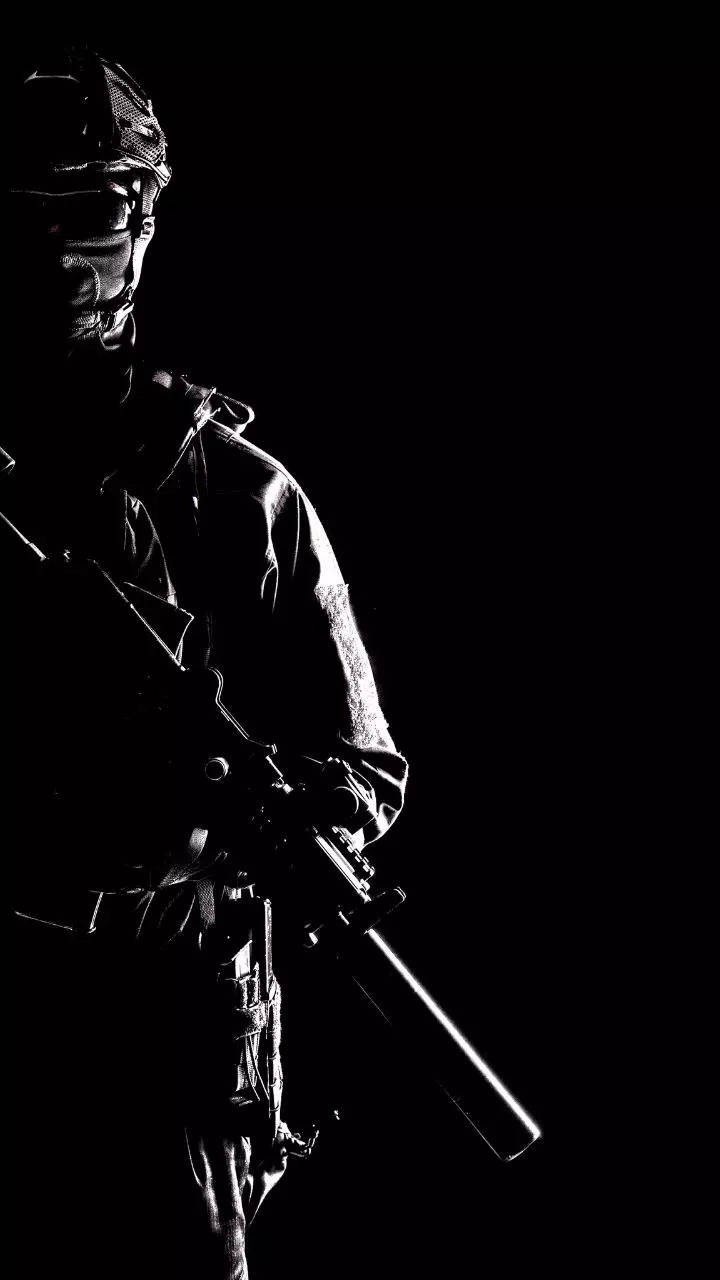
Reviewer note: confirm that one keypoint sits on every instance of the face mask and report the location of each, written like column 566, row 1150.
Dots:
column 73, row 287
column 81, row 277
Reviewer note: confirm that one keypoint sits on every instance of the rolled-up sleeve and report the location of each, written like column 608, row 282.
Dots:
column 331, row 693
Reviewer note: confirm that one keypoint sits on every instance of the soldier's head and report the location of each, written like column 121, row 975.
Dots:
column 89, row 163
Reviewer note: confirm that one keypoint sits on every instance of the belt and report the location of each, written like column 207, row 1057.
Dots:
column 75, row 911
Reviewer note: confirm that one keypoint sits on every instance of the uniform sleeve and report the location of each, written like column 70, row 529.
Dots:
column 330, row 695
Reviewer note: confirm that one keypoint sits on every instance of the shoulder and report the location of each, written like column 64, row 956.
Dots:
column 233, row 464
column 238, row 477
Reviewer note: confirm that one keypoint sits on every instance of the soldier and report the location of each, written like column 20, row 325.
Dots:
column 133, row 1151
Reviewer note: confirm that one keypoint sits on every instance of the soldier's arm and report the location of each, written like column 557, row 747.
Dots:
column 284, row 634
column 332, row 696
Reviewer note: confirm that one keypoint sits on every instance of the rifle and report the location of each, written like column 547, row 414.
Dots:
column 226, row 772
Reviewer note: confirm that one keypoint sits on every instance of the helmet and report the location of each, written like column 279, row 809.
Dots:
column 81, row 116
column 90, row 160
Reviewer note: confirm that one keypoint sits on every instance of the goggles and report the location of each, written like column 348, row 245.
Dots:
column 73, row 215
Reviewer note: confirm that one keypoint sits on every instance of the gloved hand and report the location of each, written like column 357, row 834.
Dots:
column 336, row 795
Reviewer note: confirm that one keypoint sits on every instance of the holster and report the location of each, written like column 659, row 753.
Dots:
column 237, row 941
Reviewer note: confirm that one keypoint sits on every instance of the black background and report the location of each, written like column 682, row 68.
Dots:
column 468, row 305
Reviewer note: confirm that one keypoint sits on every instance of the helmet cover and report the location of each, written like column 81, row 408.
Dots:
column 81, row 115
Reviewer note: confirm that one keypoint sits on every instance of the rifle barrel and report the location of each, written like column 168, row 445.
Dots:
column 424, row 1028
